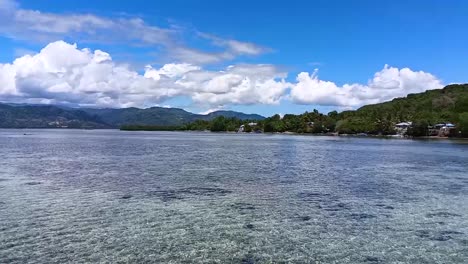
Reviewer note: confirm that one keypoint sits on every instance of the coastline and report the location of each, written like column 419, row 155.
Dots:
column 254, row 133
column 312, row 134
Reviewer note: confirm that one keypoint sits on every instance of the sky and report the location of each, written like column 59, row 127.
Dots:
column 262, row 57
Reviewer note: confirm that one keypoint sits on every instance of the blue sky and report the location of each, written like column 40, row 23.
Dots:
column 273, row 49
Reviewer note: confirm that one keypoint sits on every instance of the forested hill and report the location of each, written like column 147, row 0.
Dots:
column 232, row 114
column 449, row 104
column 50, row 116
column 161, row 116
column 46, row 116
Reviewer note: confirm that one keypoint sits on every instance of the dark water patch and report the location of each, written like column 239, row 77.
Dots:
column 166, row 195
column 304, row 218
column 423, row 233
column 441, row 236
column 205, row 191
column 241, row 206
column 126, row 196
column 313, row 196
column 450, row 189
column 361, row 216
column 248, row 259
column 451, row 232
column 288, row 181
column 249, row 226
column 333, row 207
column 384, row 206
column 32, row 183
column 2, row 179
column 442, row 214
column 180, row 194
column 372, row 259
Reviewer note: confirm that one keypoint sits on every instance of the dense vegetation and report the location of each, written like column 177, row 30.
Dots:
column 429, row 108
column 218, row 124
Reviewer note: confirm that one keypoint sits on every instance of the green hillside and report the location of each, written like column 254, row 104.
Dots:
column 161, row 116
column 46, row 116
column 449, row 104
column 148, row 116
column 232, row 114
column 49, row 116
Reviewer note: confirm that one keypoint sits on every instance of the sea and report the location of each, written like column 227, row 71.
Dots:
column 110, row 196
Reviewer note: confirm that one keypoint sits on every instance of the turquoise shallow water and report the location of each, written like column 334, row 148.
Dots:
column 110, row 196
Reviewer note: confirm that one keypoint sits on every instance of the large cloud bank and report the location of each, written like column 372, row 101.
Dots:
column 62, row 73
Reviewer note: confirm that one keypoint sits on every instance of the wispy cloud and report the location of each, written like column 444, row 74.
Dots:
column 236, row 47
column 40, row 26
column 45, row 27
column 315, row 63
column 184, row 54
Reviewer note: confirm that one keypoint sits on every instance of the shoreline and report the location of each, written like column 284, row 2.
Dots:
column 309, row 134
column 253, row 133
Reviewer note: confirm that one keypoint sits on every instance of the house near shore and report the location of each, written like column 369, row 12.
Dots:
column 442, row 130
column 252, row 125
column 437, row 130
column 447, row 130
column 402, row 128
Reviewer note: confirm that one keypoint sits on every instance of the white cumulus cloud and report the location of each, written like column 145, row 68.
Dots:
column 63, row 73
column 238, row 84
column 387, row 84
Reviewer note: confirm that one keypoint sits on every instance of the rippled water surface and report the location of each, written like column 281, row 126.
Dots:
column 161, row 197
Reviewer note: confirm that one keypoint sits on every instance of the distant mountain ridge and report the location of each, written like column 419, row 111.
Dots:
column 52, row 116
column 45, row 116
column 237, row 115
